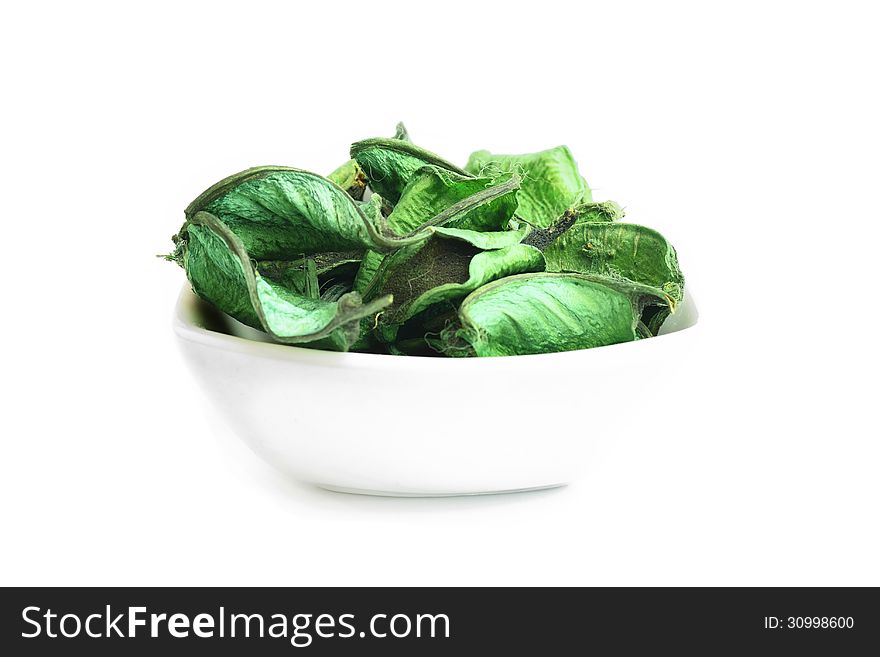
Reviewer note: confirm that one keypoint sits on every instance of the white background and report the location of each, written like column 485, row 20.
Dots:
column 748, row 135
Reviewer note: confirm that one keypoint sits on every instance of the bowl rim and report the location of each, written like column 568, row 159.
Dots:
column 187, row 329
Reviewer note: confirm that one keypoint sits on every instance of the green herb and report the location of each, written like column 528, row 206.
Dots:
column 350, row 176
column 281, row 301
column 542, row 313
column 430, row 191
column 454, row 262
column 551, row 183
column 400, row 252
column 625, row 252
column 389, row 164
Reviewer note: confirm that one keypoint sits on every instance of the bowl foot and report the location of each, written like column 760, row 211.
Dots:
column 386, row 493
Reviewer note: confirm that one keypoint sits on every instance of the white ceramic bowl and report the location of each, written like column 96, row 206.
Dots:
column 419, row 426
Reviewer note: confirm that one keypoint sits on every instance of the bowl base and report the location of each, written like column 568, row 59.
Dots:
column 387, row 493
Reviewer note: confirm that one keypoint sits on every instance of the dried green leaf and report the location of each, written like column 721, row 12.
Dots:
column 446, row 269
column 550, row 185
column 542, row 313
column 280, row 213
column 626, row 252
column 485, row 241
column 483, row 268
column 389, row 164
column 350, row 176
column 221, row 272
column 367, row 271
column 430, row 191
column 495, row 198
